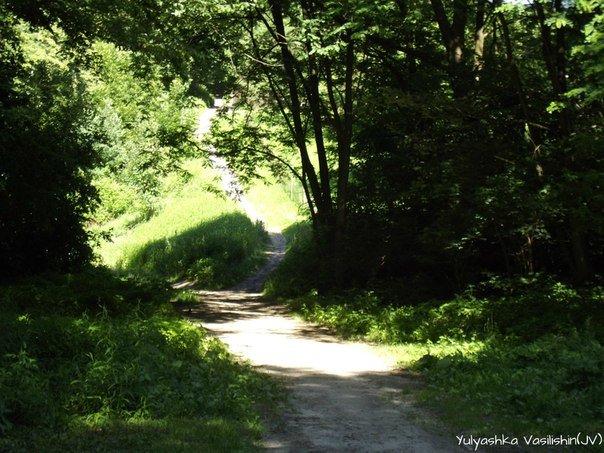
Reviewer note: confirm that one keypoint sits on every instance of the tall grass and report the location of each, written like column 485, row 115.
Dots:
column 120, row 373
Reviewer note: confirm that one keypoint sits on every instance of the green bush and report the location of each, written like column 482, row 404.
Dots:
column 540, row 308
column 130, row 362
column 302, row 268
column 361, row 314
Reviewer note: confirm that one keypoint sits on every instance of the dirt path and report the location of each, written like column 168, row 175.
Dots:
column 344, row 396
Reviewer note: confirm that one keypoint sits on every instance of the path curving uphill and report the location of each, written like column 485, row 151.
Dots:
column 345, row 397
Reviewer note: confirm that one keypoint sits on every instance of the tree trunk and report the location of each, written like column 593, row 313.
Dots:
column 583, row 271
column 287, row 57
column 534, row 133
column 479, row 37
column 453, row 35
column 344, row 152
column 554, row 56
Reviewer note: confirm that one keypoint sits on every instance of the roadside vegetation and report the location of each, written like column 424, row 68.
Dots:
column 91, row 361
column 99, row 359
column 518, row 357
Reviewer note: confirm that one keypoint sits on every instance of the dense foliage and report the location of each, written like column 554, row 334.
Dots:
column 464, row 133
column 89, row 353
column 432, row 140
column 46, row 152
column 85, row 121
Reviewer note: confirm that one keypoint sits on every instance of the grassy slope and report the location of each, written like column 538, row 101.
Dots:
column 195, row 234
column 97, row 362
column 184, row 207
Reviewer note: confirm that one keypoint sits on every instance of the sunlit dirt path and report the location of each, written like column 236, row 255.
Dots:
column 344, row 396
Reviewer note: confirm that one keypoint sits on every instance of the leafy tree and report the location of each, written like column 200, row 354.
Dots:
column 429, row 137
column 147, row 129
column 58, row 123
column 307, row 58
column 46, row 151
column 485, row 176
column 448, row 123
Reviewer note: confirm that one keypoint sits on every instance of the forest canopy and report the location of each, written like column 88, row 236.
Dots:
column 450, row 138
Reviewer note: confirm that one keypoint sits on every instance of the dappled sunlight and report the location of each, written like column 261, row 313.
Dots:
column 355, row 413
column 150, row 435
column 344, row 395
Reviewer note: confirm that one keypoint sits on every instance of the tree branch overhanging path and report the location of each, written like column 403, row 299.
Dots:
column 344, row 396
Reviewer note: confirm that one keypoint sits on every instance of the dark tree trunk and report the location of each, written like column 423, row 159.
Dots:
column 453, row 36
column 288, row 65
column 554, row 55
column 479, row 36
column 344, row 152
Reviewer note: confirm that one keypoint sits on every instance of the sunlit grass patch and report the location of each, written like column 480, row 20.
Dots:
column 215, row 253
column 197, row 234
column 279, row 203
column 411, row 355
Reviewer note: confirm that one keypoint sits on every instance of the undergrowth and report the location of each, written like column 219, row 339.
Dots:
column 119, row 371
column 528, row 363
column 518, row 357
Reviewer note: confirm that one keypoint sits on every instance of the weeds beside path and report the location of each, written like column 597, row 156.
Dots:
column 344, row 396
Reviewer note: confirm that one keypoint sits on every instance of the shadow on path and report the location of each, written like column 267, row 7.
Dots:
column 344, row 396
